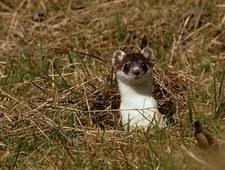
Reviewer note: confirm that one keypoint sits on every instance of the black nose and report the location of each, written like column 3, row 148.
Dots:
column 136, row 72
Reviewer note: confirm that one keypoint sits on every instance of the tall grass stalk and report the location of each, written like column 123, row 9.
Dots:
column 121, row 34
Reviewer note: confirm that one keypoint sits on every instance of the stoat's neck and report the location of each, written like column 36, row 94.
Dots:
column 143, row 89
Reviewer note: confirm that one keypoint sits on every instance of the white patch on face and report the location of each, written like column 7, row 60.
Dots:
column 135, row 68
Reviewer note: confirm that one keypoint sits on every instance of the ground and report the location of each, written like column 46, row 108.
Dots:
column 58, row 95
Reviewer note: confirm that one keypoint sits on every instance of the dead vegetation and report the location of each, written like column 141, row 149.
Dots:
column 59, row 98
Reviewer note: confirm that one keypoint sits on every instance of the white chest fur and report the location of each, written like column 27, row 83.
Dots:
column 138, row 107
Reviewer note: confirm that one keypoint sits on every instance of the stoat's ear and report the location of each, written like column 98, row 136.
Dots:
column 148, row 53
column 118, row 57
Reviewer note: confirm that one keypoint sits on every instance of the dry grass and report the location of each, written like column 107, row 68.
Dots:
column 58, row 95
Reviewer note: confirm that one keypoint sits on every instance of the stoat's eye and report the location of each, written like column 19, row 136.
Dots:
column 126, row 66
column 143, row 65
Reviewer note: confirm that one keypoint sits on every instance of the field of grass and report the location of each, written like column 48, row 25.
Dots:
column 58, row 95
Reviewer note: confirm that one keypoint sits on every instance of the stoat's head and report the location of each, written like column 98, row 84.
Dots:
column 133, row 68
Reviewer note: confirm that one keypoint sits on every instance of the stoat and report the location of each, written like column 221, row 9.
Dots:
column 134, row 74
